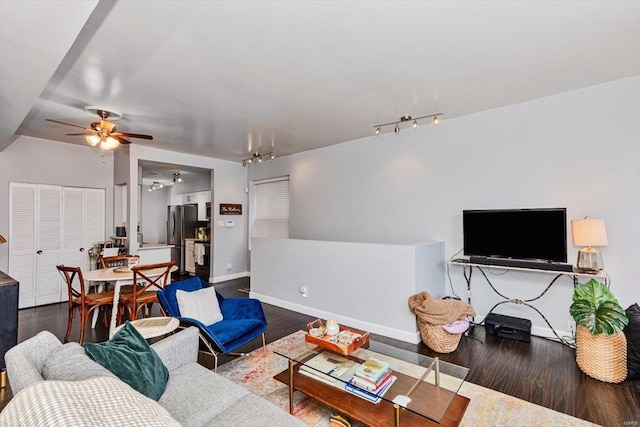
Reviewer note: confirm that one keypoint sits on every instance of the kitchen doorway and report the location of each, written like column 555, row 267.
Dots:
column 173, row 211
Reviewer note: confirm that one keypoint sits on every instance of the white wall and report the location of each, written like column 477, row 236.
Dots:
column 193, row 183
column 578, row 150
column 40, row 161
column 353, row 283
column 229, row 245
column 154, row 215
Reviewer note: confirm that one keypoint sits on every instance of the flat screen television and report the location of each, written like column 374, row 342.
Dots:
column 522, row 234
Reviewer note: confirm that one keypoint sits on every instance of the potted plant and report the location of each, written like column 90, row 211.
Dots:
column 601, row 347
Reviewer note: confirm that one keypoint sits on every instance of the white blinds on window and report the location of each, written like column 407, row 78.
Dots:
column 272, row 208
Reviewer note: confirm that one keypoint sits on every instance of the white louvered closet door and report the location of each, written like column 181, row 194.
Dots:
column 72, row 231
column 48, row 246
column 51, row 225
column 94, row 221
column 22, row 240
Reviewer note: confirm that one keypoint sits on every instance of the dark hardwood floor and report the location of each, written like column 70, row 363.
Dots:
column 542, row 372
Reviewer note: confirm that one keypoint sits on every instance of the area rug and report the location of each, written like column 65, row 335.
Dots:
column 487, row 407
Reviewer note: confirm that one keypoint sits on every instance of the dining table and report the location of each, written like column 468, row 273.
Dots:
column 119, row 276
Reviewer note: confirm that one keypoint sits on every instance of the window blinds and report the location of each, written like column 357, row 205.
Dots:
column 272, row 208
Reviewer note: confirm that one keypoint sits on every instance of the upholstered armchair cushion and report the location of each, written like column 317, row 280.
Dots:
column 243, row 318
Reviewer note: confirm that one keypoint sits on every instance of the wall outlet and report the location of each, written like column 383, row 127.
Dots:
column 571, row 326
column 229, row 266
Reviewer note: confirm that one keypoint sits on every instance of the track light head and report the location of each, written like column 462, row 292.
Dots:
column 436, row 120
column 378, row 130
column 397, row 128
column 414, row 124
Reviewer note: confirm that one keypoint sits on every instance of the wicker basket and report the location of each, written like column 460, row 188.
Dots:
column 603, row 357
column 436, row 338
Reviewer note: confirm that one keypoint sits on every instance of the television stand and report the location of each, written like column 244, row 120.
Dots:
column 521, row 263
column 470, row 265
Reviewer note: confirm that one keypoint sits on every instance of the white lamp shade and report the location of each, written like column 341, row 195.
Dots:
column 589, row 232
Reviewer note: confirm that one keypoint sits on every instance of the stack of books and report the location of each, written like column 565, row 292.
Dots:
column 371, row 380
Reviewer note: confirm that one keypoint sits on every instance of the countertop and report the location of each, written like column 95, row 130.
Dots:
column 206, row 242
column 154, row 246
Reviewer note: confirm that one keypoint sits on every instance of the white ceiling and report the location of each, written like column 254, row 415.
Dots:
column 225, row 79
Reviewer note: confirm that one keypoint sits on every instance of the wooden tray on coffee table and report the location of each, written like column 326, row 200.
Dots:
column 330, row 343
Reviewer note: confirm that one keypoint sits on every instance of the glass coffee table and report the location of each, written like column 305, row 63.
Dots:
column 424, row 391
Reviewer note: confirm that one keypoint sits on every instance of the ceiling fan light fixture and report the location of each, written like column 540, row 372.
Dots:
column 107, row 126
column 93, row 140
column 103, row 134
column 109, row 143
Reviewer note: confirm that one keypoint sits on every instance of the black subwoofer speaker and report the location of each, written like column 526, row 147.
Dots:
column 508, row 327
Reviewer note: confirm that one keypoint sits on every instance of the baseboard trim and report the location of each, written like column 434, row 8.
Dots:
column 406, row 336
column 228, row 277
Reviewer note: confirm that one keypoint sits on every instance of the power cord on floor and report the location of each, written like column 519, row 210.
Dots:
column 449, row 274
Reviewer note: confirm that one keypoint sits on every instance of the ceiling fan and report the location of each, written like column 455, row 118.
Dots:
column 103, row 133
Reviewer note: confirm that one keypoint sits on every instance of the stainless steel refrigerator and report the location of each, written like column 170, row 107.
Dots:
column 181, row 224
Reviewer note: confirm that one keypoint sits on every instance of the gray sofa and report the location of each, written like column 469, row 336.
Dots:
column 194, row 396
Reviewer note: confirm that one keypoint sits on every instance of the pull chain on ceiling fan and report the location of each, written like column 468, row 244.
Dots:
column 103, row 133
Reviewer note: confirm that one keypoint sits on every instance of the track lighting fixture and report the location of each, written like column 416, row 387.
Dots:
column 156, row 186
column 177, row 178
column 414, row 124
column 257, row 157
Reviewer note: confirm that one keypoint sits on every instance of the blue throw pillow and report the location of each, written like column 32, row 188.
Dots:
column 129, row 357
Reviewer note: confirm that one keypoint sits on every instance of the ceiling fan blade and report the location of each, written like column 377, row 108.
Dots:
column 68, row 124
column 135, row 135
column 120, row 140
column 79, row 134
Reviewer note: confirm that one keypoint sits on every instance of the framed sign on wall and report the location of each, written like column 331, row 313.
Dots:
column 230, row 209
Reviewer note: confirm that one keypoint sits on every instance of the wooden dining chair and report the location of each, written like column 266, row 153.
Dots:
column 81, row 301
column 145, row 287
column 118, row 260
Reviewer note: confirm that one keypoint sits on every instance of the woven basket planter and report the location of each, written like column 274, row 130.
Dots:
column 603, row 357
column 436, row 338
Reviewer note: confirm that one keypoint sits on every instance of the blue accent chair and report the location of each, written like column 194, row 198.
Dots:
column 243, row 318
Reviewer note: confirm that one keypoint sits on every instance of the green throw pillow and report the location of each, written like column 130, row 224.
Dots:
column 131, row 359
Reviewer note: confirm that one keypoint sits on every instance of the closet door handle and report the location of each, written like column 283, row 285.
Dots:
column 39, row 252
column 81, row 249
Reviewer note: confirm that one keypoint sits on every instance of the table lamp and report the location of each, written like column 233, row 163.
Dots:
column 589, row 232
